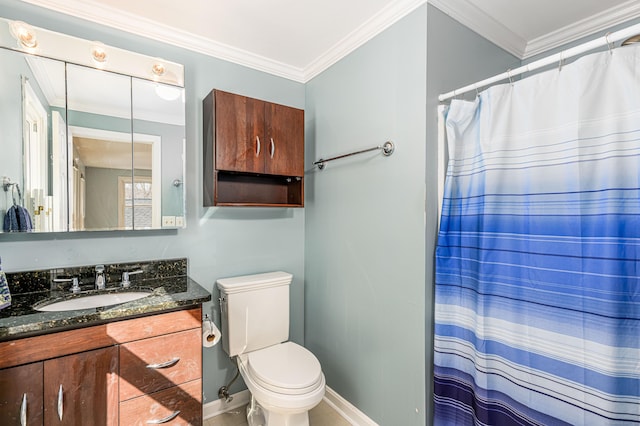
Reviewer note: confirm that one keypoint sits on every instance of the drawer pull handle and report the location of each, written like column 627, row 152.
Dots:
column 273, row 148
column 164, row 420
column 60, row 403
column 23, row 411
column 167, row 364
column 257, row 146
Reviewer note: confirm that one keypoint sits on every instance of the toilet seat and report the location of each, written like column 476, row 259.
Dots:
column 286, row 368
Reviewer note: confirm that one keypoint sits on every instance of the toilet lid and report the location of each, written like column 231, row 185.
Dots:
column 287, row 366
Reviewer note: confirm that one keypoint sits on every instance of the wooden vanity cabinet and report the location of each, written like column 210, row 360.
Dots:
column 253, row 152
column 127, row 372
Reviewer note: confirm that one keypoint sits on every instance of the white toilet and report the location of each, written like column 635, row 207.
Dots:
column 284, row 378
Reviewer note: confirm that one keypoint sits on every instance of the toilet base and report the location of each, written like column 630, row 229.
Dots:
column 257, row 415
column 285, row 419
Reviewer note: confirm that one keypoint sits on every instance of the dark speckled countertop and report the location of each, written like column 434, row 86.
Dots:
column 166, row 293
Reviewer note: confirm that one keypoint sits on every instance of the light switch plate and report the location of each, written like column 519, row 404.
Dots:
column 179, row 221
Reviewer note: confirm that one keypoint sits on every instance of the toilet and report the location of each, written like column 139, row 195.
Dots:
column 285, row 379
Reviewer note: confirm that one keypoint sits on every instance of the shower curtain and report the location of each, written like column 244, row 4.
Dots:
column 537, row 315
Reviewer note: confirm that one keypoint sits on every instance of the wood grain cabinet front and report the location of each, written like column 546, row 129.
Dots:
column 253, row 152
column 82, row 389
column 158, row 363
column 21, row 395
column 145, row 370
column 177, row 405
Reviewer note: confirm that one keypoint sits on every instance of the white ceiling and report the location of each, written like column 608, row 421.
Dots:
column 298, row 39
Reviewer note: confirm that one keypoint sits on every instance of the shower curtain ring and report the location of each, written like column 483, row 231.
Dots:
column 609, row 44
column 509, row 75
column 561, row 61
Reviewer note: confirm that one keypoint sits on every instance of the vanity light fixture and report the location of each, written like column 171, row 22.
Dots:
column 158, row 69
column 24, row 34
column 168, row 93
column 99, row 53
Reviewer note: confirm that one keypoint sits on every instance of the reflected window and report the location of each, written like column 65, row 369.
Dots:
column 139, row 194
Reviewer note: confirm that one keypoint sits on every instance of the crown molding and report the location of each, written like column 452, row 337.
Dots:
column 382, row 20
column 134, row 24
column 480, row 22
column 477, row 20
column 586, row 27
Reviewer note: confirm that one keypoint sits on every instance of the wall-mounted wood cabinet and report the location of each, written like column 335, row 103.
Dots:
column 253, row 152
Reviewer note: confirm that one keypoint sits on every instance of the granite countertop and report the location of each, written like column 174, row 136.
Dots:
column 170, row 293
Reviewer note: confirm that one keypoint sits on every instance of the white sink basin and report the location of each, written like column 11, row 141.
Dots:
column 93, row 301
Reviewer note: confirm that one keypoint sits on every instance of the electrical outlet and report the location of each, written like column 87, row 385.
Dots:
column 168, row 221
column 179, row 221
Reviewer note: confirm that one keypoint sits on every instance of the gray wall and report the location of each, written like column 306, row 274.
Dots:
column 218, row 242
column 364, row 241
column 370, row 237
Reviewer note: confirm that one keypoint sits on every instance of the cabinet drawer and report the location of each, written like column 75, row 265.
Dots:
column 185, row 398
column 158, row 363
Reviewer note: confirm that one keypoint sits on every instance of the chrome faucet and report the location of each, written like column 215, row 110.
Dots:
column 75, row 284
column 125, row 277
column 100, row 281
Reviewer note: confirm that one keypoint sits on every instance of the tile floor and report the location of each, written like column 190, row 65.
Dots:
column 321, row 415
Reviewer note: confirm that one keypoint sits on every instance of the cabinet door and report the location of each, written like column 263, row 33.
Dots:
column 285, row 145
column 21, row 395
column 240, row 140
column 82, row 389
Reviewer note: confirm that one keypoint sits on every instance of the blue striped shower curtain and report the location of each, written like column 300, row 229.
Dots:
column 537, row 315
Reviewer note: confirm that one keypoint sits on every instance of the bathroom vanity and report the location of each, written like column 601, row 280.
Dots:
column 137, row 362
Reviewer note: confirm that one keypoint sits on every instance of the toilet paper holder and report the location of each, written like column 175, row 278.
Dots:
column 211, row 336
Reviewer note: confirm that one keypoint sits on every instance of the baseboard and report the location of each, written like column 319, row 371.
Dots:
column 213, row 408
column 343, row 407
column 347, row 410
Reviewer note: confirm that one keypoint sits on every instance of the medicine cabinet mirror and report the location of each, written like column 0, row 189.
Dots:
column 93, row 137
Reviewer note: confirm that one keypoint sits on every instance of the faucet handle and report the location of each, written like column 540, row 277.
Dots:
column 125, row 277
column 75, row 286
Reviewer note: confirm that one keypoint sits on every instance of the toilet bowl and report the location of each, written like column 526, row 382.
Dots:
column 285, row 380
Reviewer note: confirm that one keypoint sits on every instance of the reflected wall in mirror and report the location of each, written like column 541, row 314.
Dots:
column 89, row 144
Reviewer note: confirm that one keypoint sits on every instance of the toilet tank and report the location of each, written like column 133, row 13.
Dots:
column 254, row 311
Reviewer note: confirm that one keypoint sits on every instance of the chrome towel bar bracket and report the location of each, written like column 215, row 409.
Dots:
column 387, row 149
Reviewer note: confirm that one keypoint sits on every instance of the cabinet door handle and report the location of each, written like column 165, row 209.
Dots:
column 23, row 411
column 166, row 364
column 273, row 148
column 164, row 420
column 257, row 146
column 60, row 403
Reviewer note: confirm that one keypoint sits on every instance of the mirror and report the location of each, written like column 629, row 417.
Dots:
column 91, row 144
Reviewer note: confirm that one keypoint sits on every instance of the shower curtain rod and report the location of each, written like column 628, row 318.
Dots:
column 557, row 58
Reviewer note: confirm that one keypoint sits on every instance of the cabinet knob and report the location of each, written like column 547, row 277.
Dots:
column 60, row 403
column 257, row 146
column 166, row 364
column 23, row 411
column 165, row 419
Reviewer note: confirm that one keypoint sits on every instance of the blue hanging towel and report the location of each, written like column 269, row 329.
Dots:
column 17, row 219
column 5, row 295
